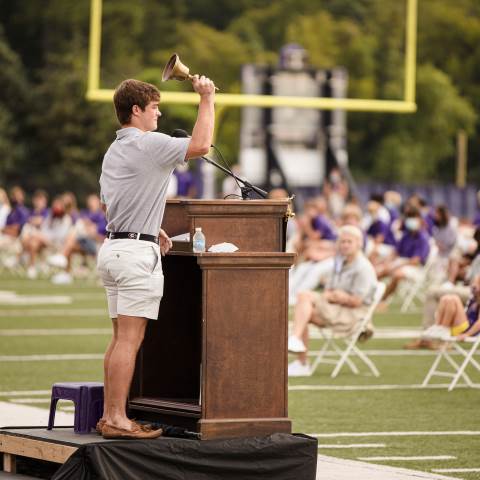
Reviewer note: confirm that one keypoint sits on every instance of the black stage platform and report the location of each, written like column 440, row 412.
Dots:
column 88, row 457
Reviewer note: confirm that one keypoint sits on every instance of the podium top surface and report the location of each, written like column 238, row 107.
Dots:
column 194, row 207
column 218, row 201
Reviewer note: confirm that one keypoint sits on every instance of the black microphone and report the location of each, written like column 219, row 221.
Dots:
column 179, row 133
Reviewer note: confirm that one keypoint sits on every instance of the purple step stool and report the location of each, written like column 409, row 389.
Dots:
column 87, row 398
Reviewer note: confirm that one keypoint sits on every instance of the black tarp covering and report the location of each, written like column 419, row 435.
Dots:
column 278, row 456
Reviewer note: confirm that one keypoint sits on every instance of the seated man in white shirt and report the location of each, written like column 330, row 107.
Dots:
column 343, row 303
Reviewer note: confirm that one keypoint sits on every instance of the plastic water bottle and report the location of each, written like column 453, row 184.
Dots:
column 198, row 241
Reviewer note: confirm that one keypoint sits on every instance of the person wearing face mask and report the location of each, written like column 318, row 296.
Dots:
column 411, row 252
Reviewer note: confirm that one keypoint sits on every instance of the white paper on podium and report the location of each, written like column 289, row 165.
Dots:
column 224, row 247
column 183, row 237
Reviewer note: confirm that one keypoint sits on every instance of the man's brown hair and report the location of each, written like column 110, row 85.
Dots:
column 133, row 92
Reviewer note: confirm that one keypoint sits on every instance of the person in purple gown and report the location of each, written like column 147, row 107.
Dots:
column 410, row 254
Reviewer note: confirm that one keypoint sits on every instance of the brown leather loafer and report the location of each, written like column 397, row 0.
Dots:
column 99, row 426
column 147, row 427
column 111, row 432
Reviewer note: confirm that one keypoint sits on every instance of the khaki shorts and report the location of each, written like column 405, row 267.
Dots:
column 342, row 320
column 131, row 271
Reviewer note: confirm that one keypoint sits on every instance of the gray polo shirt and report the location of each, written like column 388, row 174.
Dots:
column 135, row 173
column 356, row 278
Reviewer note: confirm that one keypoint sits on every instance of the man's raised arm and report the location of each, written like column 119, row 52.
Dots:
column 202, row 134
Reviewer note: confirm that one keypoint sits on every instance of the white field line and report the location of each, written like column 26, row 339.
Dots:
column 26, row 300
column 397, row 434
column 9, row 295
column 427, row 457
column 31, row 400
column 341, row 469
column 67, row 408
column 21, row 393
column 396, row 333
column 54, row 331
column 388, row 353
column 455, row 470
column 51, row 358
column 26, row 415
column 10, row 332
column 391, row 333
column 355, row 445
column 50, row 312
column 89, row 296
column 99, row 356
column 40, row 285
column 354, row 388
column 388, row 335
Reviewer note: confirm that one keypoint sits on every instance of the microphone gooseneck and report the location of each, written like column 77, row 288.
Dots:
column 180, row 133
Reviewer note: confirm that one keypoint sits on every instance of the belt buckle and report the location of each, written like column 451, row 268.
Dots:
column 134, row 236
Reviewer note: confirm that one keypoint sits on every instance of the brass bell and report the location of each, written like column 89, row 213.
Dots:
column 176, row 70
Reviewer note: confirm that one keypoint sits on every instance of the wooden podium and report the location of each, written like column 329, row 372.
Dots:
column 215, row 362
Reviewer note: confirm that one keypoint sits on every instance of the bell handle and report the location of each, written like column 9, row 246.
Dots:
column 190, row 77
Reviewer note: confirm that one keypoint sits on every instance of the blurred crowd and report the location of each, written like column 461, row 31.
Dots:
column 52, row 237
column 401, row 236
column 410, row 244
column 43, row 237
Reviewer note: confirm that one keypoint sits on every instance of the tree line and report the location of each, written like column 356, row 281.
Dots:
column 51, row 137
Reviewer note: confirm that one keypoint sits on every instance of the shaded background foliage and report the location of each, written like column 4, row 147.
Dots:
column 51, row 137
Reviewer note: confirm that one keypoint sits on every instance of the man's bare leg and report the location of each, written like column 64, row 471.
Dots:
column 33, row 246
column 70, row 247
column 302, row 313
column 130, row 332
column 106, row 366
column 397, row 277
column 450, row 311
column 301, row 317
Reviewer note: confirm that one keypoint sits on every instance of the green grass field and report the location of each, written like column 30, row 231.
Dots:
column 334, row 409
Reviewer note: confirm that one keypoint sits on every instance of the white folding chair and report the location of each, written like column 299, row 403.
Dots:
column 416, row 288
column 10, row 250
column 457, row 369
column 331, row 344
